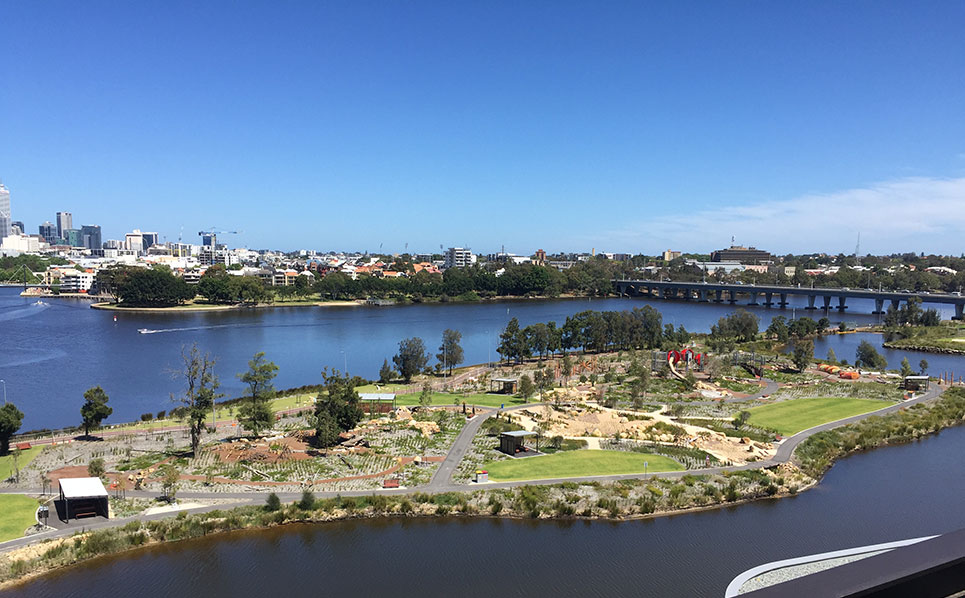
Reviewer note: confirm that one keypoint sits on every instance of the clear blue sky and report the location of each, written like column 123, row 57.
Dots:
column 618, row 126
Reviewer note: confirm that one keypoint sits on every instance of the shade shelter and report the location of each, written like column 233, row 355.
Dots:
column 503, row 385
column 381, row 402
column 916, row 382
column 513, row 442
column 83, row 497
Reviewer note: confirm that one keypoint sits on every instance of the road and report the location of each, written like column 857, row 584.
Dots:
column 442, row 480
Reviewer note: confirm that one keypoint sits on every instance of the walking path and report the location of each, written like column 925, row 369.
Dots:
column 442, row 480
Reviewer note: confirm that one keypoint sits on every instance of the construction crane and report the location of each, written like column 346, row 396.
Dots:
column 214, row 234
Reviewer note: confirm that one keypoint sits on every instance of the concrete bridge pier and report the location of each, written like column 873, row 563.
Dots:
column 783, row 302
column 753, row 299
column 703, row 295
column 896, row 303
column 810, row 302
column 767, row 299
column 879, row 304
column 958, row 311
column 841, row 303
column 732, row 297
column 827, row 302
column 717, row 296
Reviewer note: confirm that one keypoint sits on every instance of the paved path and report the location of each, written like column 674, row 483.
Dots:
column 442, row 480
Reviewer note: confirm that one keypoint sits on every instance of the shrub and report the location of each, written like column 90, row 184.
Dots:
column 272, row 503
column 146, row 417
column 307, row 501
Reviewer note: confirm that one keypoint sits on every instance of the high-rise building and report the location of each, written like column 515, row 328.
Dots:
column 459, row 257
column 91, row 236
column 150, row 240
column 5, row 219
column 48, row 231
column 73, row 237
column 64, row 221
column 134, row 241
column 18, row 227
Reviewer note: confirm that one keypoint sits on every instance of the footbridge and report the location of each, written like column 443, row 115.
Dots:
column 771, row 295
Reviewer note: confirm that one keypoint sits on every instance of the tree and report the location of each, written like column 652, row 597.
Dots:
column 715, row 368
column 778, row 329
column 95, row 468
column 336, row 407
column 741, row 418
column 450, row 352
column 567, row 367
column 866, row 355
column 923, row 366
column 95, row 409
column 307, row 501
column 411, row 358
column 512, row 345
column 541, row 378
column 803, row 354
column 169, row 480
column 425, row 397
column 11, row 419
column 272, row 502
column 526, row 387
column 326, row 430
column 199, row 396
column 255, row 413
column 386, row 372
column 906, row 368
column 148, row 287
column 831, row 358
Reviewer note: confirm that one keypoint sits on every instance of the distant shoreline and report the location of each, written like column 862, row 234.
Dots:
column 351, row 303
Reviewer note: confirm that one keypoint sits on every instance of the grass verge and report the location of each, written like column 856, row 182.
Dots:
column 571, row 464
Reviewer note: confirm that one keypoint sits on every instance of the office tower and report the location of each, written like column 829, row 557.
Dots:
column 5, row 219
column 48, row 231
column 18, row 227
column 73, row 237
column 91, row 236
column 134, row 241
column 149, row 239
column 64, row 221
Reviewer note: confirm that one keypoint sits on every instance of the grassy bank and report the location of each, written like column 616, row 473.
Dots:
column 17, row 513
column 793, row 416
column 947, row 338
column 818, row 453
column 627, row 499
column 24, row 459
column 571, row 464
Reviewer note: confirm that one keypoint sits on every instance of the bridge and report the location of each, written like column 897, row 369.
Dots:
column 777, row 295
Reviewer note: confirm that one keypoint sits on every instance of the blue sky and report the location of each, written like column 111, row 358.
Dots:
column 628, row 127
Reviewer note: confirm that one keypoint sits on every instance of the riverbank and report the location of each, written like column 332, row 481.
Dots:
column 627, row 499
column 193, row 307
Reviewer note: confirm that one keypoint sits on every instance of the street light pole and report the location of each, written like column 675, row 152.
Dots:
column 4, row 382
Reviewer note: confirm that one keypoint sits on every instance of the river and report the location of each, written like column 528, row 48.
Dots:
column 50, row 354
column 887, row 494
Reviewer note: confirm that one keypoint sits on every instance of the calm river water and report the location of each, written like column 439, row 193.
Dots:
column 50, row 354
column 888, row 494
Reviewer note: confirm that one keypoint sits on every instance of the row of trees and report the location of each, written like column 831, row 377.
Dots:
column 591, row 331
column 593, row 277
column 217, row 286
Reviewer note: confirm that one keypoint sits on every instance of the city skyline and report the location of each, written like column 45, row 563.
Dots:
column 624, row 128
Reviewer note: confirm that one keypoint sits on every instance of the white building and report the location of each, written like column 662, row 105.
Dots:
column 458, row 257
column 134, row 241
column 75, row 281
column 21, row 243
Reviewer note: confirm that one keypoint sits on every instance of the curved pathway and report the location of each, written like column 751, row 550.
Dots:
column 442, row 479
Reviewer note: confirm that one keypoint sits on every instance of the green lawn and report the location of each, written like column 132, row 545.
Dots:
column 16, row 515
column 6, row 461
column 790, row 417
column 571, row 464
column 441, row 398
